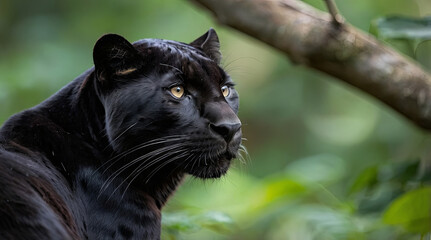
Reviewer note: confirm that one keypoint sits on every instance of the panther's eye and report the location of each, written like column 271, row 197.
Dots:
column 225, row 90
column 177, row 91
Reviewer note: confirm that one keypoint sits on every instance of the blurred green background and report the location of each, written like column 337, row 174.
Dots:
column 326, row 161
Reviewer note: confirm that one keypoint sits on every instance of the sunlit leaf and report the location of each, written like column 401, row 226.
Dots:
column 282, row 187
column 319, row 169
column 323, row 223
column 179, row 222
column 403, row 28
column 216, row 221
column 412, row 210
column 182, row 222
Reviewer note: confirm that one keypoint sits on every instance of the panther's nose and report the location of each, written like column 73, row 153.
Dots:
column 226, row 129
column 222, row 119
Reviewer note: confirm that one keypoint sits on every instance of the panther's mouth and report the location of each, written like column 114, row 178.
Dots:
column 213, row 159
column 213, row 167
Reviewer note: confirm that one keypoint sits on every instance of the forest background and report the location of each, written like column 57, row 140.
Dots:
column 326, row 161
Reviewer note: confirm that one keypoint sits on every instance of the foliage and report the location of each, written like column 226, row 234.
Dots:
column 404, row 28
column 326, row 161
column 178, row 223
column 411, row 210
column 411, row 31
column 285, row 206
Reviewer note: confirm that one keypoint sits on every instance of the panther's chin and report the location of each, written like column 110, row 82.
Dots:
column 213, row 169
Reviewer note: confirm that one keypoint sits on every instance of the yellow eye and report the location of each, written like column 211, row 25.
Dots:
column 177, row 91
column 225, row 90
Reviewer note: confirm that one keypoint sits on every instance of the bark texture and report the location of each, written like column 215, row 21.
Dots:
column 311, row 37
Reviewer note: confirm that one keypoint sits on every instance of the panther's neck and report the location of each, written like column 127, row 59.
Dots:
column 118, row 210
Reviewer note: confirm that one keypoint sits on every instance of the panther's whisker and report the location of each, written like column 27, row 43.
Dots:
column 141, row 170
column 121, row 134
column 150, row 143
column 113, row 162
column 164, row 164
column 136, row 148
column 149, row 154
column 120, row 170
column 188, row 161
column 241, row 159
column 205, row 160
column 175, row 68
column 244, row 150
column 146, row 165
column 182, row 163
column 197, row 158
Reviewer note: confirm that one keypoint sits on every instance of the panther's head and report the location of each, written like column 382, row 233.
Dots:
column 168, row 104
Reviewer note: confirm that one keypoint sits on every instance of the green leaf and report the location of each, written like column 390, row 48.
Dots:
column 403, row 28
column 179, row 222
column 325, row 223
column 216, row 221
column 280, row 188
column 401, row 172
column 318, row 169
column 412, row 210
column 367, row 178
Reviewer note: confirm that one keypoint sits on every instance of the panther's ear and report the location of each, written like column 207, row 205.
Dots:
column 114, row 56
column 209, row 44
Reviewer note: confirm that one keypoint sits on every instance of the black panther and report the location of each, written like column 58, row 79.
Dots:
column 100, row 158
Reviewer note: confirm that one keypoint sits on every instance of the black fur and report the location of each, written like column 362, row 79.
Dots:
column 100, row 158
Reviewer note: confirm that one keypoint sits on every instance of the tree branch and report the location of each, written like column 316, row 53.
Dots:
column 309, row 37
column 333, row 10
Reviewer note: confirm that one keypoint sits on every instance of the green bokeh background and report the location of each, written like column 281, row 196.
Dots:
column 309, row 136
